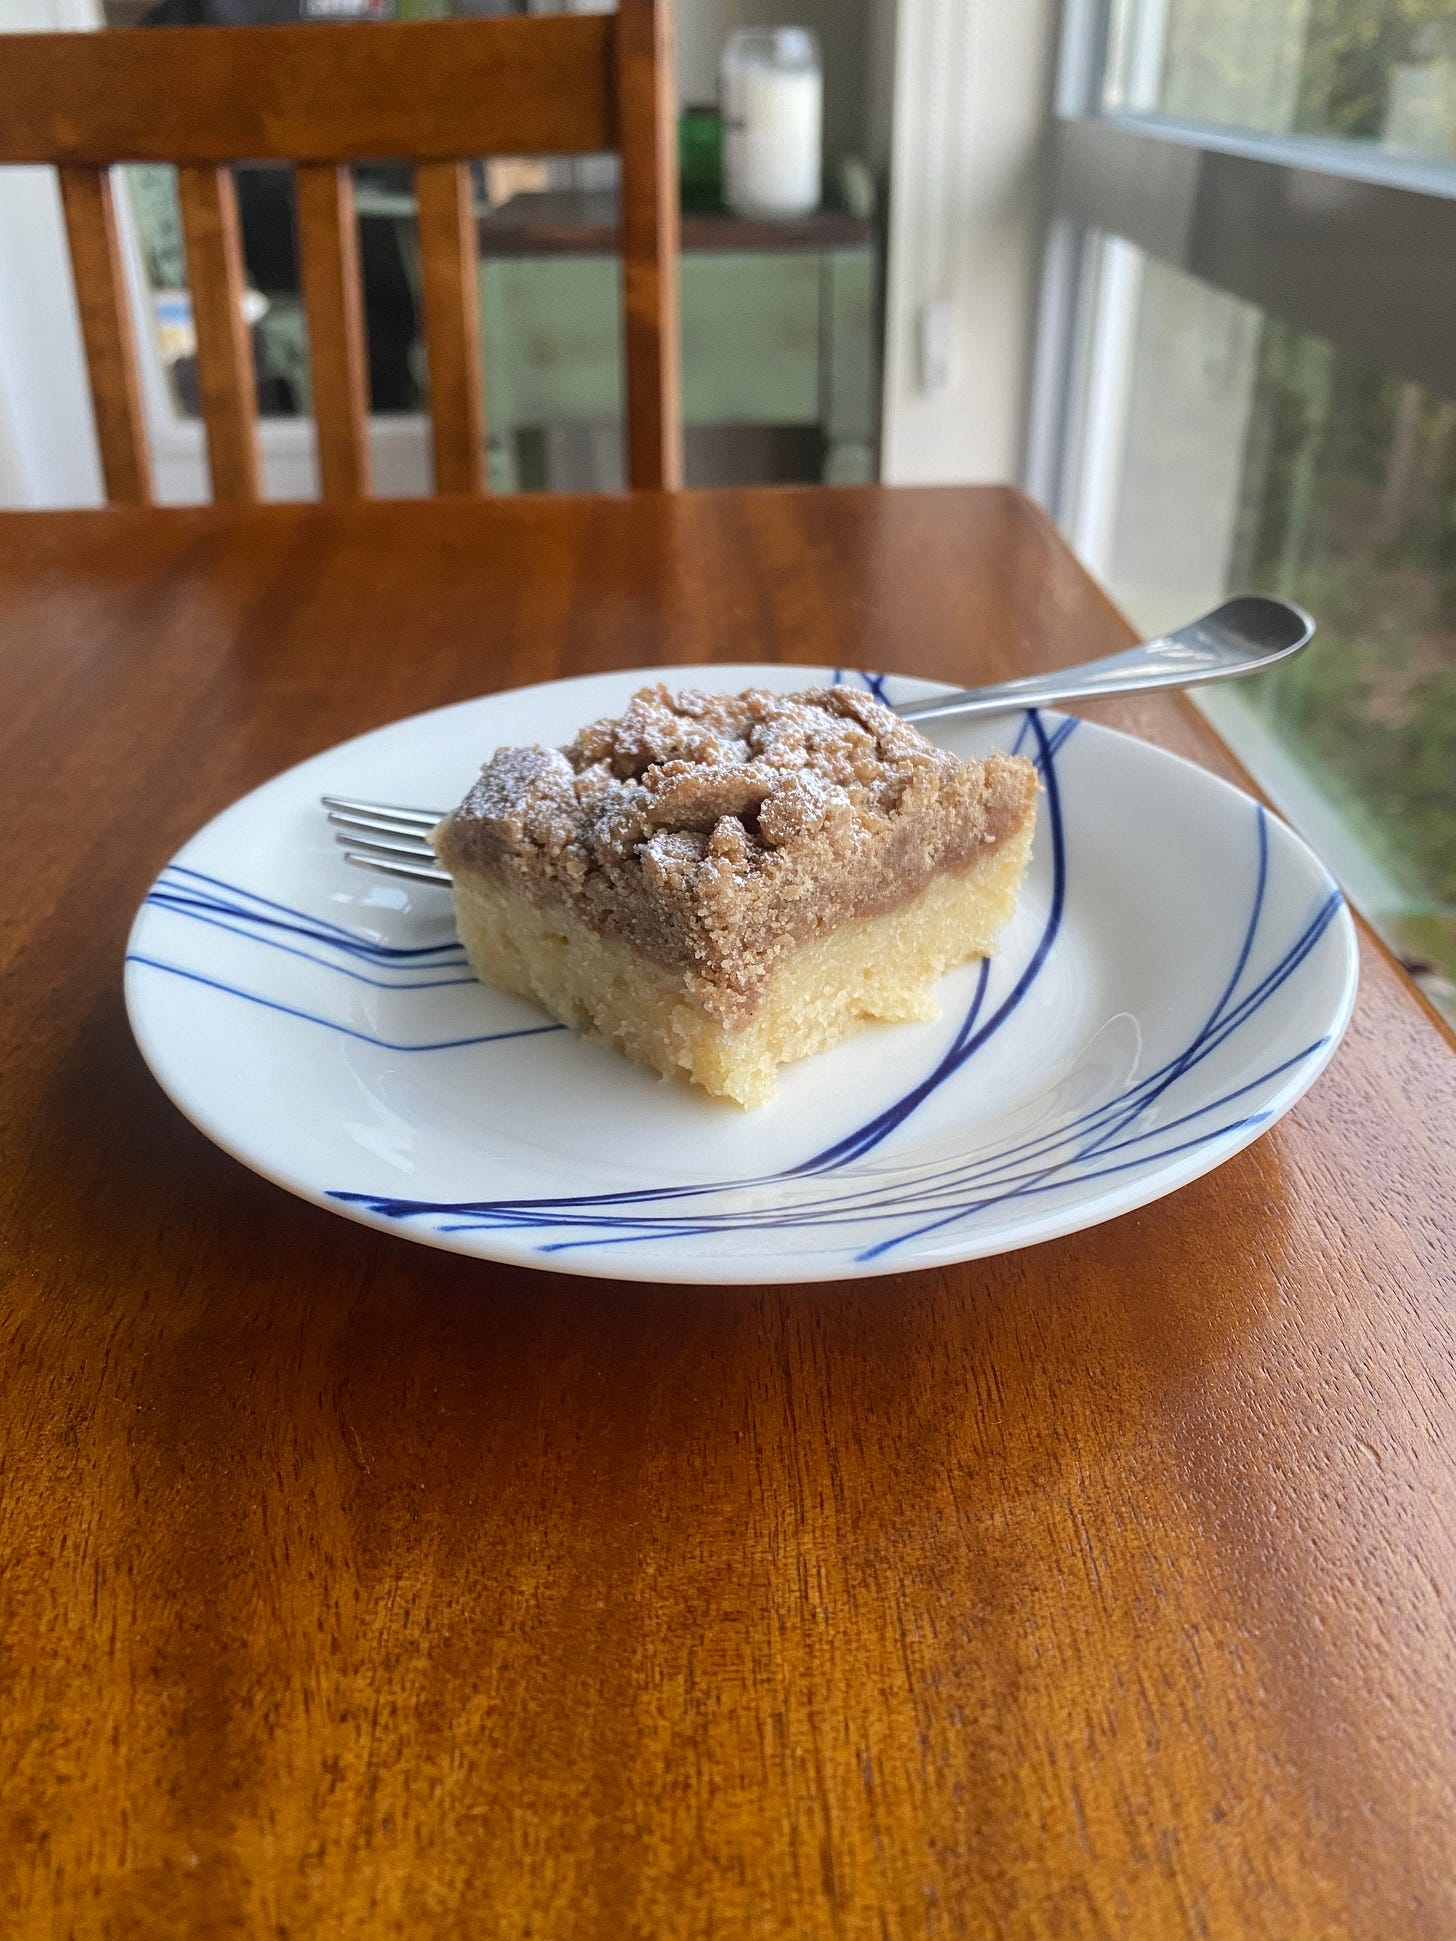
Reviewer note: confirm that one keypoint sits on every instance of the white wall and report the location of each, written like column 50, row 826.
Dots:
column 972, row 84
column 48, row 454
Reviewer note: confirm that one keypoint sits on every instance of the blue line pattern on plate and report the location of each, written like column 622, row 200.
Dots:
column 839, row 1186
column 189, row 893
column 968, row 1039
column 333, row 1024
column 208, row 900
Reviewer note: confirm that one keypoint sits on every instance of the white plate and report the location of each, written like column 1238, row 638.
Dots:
column 1179, row 970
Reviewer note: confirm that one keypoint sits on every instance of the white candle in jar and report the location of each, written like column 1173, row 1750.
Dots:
column 773, row 111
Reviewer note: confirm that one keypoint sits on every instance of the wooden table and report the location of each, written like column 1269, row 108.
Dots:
column 352, row 1589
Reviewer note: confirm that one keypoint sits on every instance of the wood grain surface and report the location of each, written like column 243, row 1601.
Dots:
column 216, row 279
column 450, row 304
column 328, row 253
column 651, row 338
column 426, row 90
column 353, row 1589
column 89, row 201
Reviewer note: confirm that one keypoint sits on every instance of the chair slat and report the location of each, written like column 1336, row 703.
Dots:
column 450, row 292
column 412, row 89
column 224, row 347
column 647, row 125
column 328, row 248
column 101, row 295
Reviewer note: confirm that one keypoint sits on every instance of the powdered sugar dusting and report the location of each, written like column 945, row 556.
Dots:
column 717, row 830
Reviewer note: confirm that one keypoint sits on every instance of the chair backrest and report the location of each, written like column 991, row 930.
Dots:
column 435, row 93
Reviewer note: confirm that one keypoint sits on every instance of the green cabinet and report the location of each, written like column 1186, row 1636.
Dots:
column 768, row 338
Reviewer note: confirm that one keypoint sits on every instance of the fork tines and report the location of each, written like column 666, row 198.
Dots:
column 393, row 812
column 386, row 837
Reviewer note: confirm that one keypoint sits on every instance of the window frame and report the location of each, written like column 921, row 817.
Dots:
column 1352, row 243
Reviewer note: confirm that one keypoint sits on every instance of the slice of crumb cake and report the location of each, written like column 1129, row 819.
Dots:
column 722, row 883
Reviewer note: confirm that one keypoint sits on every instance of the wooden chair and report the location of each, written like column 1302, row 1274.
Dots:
column 321, row 96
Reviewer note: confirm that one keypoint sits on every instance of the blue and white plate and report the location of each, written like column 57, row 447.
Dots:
column 1179, row 970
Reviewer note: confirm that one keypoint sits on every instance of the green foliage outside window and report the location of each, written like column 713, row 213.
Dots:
column 1349, row 505
column 1366, row 70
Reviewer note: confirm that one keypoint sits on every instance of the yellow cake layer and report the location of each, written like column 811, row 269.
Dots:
column 881, row 967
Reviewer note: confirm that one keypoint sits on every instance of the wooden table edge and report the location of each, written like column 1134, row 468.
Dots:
column 284, row 509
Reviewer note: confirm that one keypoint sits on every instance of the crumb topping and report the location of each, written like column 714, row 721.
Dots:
column 716, row 831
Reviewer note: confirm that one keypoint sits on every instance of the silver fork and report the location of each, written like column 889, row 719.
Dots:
column 390, row 840
column 1245, row 634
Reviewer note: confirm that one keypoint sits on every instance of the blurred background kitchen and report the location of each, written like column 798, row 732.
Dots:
column 1183, row 269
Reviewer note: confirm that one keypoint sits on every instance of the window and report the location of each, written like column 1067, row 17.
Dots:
column 1248, row 381
column 1379, row 71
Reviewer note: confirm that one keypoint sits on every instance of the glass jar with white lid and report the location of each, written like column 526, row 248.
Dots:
column 772, row 83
